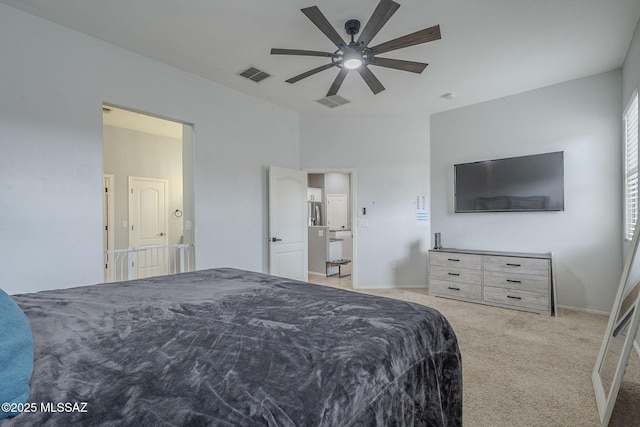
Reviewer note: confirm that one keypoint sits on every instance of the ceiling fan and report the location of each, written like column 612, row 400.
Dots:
column 357, row 55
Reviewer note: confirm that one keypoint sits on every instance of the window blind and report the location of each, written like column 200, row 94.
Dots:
column 631, row 167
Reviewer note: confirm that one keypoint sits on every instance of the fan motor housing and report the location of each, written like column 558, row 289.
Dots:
column 352, row 26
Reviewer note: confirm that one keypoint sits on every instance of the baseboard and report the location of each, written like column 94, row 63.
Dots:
column 584, row 310
column 410, row 287
column 407, row 287
column 313, row 273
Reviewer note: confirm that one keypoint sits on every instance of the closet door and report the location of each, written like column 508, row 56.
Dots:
column 337, row 211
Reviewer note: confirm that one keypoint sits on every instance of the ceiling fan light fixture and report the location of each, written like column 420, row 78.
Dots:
column 351, row 59
column 358, row 55
column 352, row 63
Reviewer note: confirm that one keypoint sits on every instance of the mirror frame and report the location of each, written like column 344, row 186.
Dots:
column 618, row 320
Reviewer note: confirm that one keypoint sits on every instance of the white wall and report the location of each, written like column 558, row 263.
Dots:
column 581, row 118
column 336, row 183
column 391, row 156
column 54, row 82
column 131, row 153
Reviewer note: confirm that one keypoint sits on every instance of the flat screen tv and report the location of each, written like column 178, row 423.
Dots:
column 516, row 184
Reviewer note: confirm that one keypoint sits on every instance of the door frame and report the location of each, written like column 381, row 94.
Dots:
column 188, row 175
column 108, row 208
column 352, row 172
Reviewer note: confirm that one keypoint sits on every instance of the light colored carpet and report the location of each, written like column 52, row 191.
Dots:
column 523, row 369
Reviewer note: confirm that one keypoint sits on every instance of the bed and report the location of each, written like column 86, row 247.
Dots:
column 231, row 347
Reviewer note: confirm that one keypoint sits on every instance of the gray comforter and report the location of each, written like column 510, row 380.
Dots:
column 230, row 347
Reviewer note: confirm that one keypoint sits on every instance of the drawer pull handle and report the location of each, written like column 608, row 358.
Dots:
column 514, row 281
column 454, row 289
column 454, row 274
column 514, row 265
column 509, row 296
column 453, row 259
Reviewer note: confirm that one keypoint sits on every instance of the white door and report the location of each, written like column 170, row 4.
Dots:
column 337, row 208
column 148, row 225
column 288, row 223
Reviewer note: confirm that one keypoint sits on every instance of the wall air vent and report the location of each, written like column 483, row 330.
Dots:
column 333, row 101
column 252, row 73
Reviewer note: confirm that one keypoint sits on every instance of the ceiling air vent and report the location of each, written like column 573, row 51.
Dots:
column 252, row 73
column 333, row 101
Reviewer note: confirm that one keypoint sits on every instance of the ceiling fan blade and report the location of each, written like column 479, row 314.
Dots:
column 333, row 90
column 371, row 80
column 312, row 72
column 399, row 64
column 320, row 21
column 301, row 52
column 419, row 37
column 380, row 16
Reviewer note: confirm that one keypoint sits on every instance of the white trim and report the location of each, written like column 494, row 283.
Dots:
column 584, row 310
column 111, row 221
column 314, row 273
column 111, row 231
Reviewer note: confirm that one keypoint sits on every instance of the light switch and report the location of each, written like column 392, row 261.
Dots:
column 124, row 224
column 188, row 225
column 363, row 222
column 320, row 233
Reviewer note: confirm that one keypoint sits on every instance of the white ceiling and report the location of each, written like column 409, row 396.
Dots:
column 489, row 48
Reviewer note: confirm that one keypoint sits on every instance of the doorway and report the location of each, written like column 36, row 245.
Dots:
column 332, row 232
column 160, row 205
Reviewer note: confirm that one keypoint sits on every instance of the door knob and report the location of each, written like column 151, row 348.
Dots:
column 161, row 234
column 275, row 239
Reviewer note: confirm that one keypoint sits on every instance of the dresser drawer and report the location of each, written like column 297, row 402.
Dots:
column 452, row 259
column 521, row 282
column 455, row 290
column 516, row 280
column 515, row 298
column 532, row 266
column 452, row 274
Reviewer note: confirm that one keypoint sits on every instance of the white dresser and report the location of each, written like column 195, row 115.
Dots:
column 520, row 281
